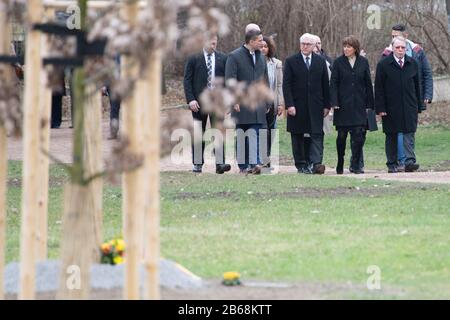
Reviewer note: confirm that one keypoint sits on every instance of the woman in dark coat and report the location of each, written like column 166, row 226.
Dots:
column 351, row 94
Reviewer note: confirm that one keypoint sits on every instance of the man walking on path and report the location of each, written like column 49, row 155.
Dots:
column 200, row 72
column 306, row 92
column 398, row 100
column 414, row 51
column 248, row 64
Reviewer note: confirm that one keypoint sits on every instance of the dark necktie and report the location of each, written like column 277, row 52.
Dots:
column 400, row 62
column 209, row 67
column 307, row 63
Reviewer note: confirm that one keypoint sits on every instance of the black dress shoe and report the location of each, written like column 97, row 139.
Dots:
column 318, row 169
column 356, row 171
column 197, row 168
column 256, row 170
column 412, row 167
column 222, row 168
column 392, row 170
column 340, row 167
column 304, row 170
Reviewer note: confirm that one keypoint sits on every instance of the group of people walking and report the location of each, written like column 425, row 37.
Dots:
column 309, row 87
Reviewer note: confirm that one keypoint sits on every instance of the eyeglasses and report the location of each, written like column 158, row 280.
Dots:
column 400, row 47
column 307, row 44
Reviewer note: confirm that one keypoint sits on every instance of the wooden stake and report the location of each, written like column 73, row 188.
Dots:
column 3, row 181
column 133, row 193
column 4, row 49
column 43, row 161
column 152, row 242
column 93, row 159
column 31, row 179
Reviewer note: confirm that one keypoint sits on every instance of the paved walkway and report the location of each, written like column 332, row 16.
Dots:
column 61, row 148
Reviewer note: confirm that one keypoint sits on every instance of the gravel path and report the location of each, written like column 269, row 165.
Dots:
column 61, row 148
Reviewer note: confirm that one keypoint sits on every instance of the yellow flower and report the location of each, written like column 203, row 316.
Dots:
column 120, row 245
column 118, row 260
column 231, row 276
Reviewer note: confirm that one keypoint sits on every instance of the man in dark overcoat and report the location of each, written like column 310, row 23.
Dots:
column 398, row 99
column 306, row 94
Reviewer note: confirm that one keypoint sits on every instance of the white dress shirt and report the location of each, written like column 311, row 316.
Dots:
column 213, row 63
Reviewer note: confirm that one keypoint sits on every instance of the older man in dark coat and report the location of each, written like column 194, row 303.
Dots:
column 398, row 99
column 416, row 52
column 247, row 64
column 306, row 95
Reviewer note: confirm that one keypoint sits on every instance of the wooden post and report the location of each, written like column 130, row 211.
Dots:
column 93, row 159
column 4, row 49
column 133, row 192
column 3, row 181
column 43, row 161
column 152, row 242
column 31, row 144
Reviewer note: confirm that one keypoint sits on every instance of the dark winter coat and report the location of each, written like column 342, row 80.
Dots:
column 398, row 93
column 240, row 66
column 352, row 91
column 308, row 91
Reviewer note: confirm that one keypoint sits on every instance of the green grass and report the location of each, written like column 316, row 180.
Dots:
column 292, row 228
column 432, row 148
column 324, row 230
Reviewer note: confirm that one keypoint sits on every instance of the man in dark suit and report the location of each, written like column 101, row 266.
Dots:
column 200, row 71
column 246, row 63
column 306, row 93
column 398, row 99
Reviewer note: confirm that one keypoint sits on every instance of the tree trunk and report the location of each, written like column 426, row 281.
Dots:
column 77, row 242
column 77, row 235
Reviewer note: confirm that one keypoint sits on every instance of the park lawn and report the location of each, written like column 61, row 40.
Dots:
column 292, row 228
column 432, row 148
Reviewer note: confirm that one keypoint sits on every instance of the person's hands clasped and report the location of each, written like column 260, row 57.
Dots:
column 194, row 106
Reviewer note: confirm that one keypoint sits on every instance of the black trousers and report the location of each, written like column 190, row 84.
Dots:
column 307, row 151
column 200, row 159
column 392, row 151
column 357, row 140
column 271, row 118
column 56, row 110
